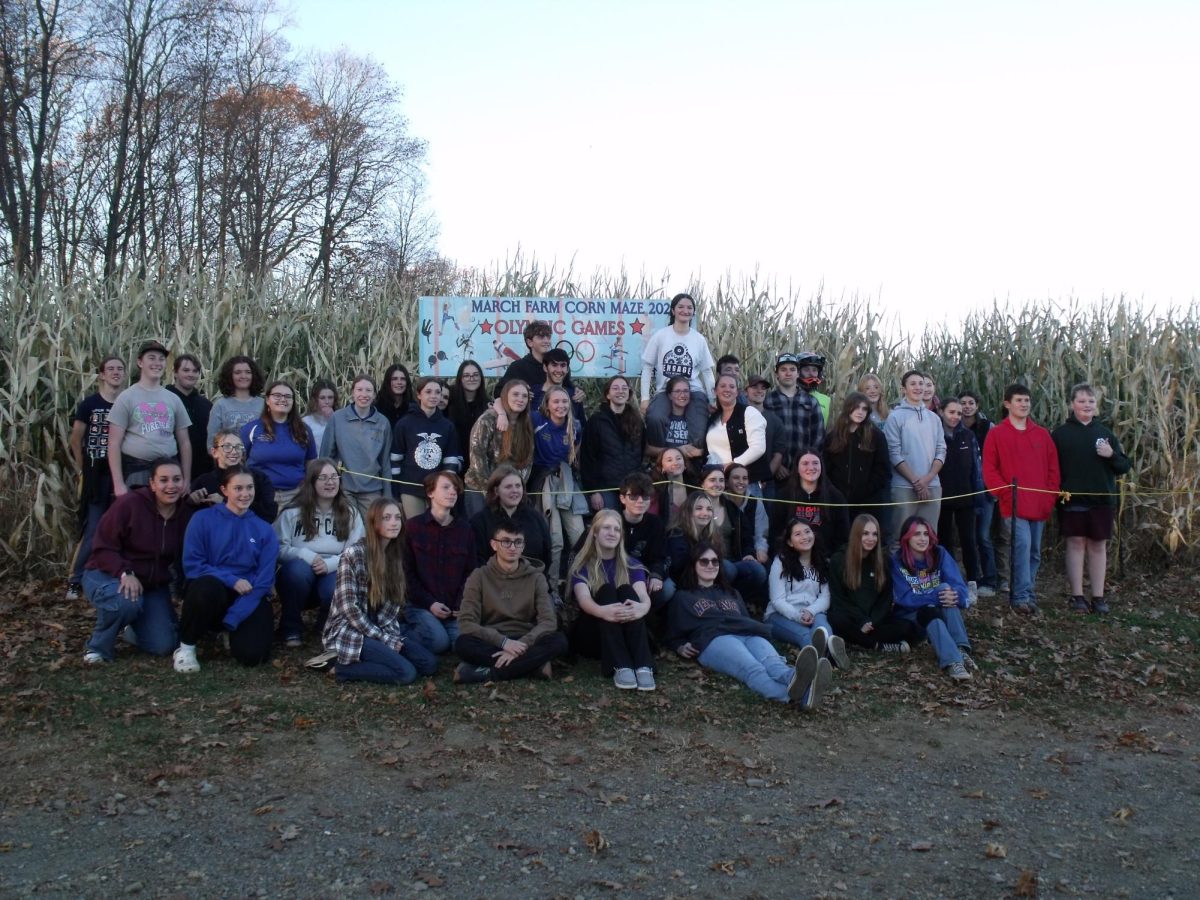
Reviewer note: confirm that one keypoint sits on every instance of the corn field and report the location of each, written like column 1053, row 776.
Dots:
column 1146, row 368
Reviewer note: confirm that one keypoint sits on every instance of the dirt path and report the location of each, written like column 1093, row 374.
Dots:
column 975, row 804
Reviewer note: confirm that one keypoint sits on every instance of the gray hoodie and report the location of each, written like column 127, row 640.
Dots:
column 915, row 436
column 363, row 444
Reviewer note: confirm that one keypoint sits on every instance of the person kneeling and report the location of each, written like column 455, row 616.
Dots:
column 229, row 557
column 507, row 626
column 366, row 627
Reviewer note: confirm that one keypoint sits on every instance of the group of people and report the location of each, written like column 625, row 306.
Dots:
column 720, row 517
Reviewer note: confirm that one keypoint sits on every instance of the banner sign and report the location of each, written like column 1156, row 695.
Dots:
column 602, row 337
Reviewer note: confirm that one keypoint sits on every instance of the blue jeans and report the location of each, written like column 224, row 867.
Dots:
column 791, row 632
column 94, row 513
column 752, row 661
column 152, row 616
column 1026, row 557
column 299, row 587
column 380, row 664
column 983, row 539
column 744, row 574
column 909, row 505
column 438, row 635
column 945, row 630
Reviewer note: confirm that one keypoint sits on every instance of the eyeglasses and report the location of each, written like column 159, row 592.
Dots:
column 288, row 397
column 329, row 479
column 511, row 543
column 231, row 448
column 708, row 562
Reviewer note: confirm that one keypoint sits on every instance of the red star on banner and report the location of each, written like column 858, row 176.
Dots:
column 637, row 326
column 485, row 327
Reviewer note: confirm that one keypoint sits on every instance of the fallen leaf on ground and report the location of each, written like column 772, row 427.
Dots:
column 1027, row 884
column 995, row 851
column 595, row 841
column 921, row 846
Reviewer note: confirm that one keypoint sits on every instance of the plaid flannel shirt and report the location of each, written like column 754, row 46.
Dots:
column 803, row 421
column 349, row 621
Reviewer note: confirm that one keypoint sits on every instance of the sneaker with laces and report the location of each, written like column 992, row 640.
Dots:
column 1078, row 604
column 958, row 672
column 321, row 661
column 185, row 659
column 645, row 679
column 625, row 679
column 968, row 661
column 802, row 676
column 74, row 591
column 820, row 685
column 92, row 658
column 972, row 591
column 820, row 641
column 836, row 651
column 986, row 590
column 895, row 647
column 292, row 641
column 1099, row 606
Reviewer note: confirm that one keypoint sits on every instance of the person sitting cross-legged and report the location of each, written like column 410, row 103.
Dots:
column 507, row 625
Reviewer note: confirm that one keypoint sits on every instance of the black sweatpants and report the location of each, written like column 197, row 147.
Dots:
column 478, row 652
column 617, row 646
column 891, row 630
column 204, row 607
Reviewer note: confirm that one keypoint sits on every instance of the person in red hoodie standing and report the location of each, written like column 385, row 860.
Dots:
column 1019, row 449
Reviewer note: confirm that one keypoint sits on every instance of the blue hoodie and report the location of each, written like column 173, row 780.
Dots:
column 913, row 590
column 227, row 547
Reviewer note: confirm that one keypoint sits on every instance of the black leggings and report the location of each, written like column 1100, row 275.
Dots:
column 891, row 630
column 478, row 652
column 204, row 607
column 618, row 646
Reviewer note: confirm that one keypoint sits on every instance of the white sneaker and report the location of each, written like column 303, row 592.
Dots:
column 92, row 658
column 185, row 659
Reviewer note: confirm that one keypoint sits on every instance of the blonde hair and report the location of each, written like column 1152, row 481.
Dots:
column 880, row 406
column 588, row 562
column 570, row 435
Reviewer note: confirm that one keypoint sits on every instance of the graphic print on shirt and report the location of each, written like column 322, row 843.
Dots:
column 677, row 431
column 428, row 454
column 677, row 361
column 923, row 581
column 152, row 418
column 96, row 442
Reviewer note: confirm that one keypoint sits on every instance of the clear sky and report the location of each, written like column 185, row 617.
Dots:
column 934, row 155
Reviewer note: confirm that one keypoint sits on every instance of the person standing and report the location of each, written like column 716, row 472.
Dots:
column 147, row 422
column 359, row 437
column 801, row 413
column 985, row 504
column 1090, row 458
column 279, row 444
column 199, row 408
column 770, row 466
column 678, row 350
column 1020, row 450
column 240, row 381
column 89, row 450
column 961, row 480
column 917, row 452
column 423, row 441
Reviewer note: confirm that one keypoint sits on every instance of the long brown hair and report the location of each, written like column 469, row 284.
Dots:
column 841, row 435
column 633, row 426
column 295, row 422
column 516, row 444
column 385, row 564
column 852, row 574
column 685, row 522
column 344, row 511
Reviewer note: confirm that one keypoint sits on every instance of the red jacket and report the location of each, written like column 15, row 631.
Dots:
column 1028, row 456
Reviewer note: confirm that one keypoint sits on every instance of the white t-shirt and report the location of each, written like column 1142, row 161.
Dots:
column 150, row 419
column 671, row 354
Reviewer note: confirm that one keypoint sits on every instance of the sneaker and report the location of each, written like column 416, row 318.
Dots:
column 92, row 658
column 293, row 641
column 185, row 659
column 128, row 635
column 625, row 679
column 74, row 591
column 968, row 661
column 837, row 653
column 1099, row 606
column 321, row 661
column 986, row 590
column 972, row 591
column 1024, row 607
column 820, row 685
column 802, row 677
column 1079, row 604
column 901, row 647
column 645, row 679
column 820, row 641
column 465, row 673
column 958, row 672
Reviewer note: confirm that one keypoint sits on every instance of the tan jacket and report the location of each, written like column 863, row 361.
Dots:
column 498, row 605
